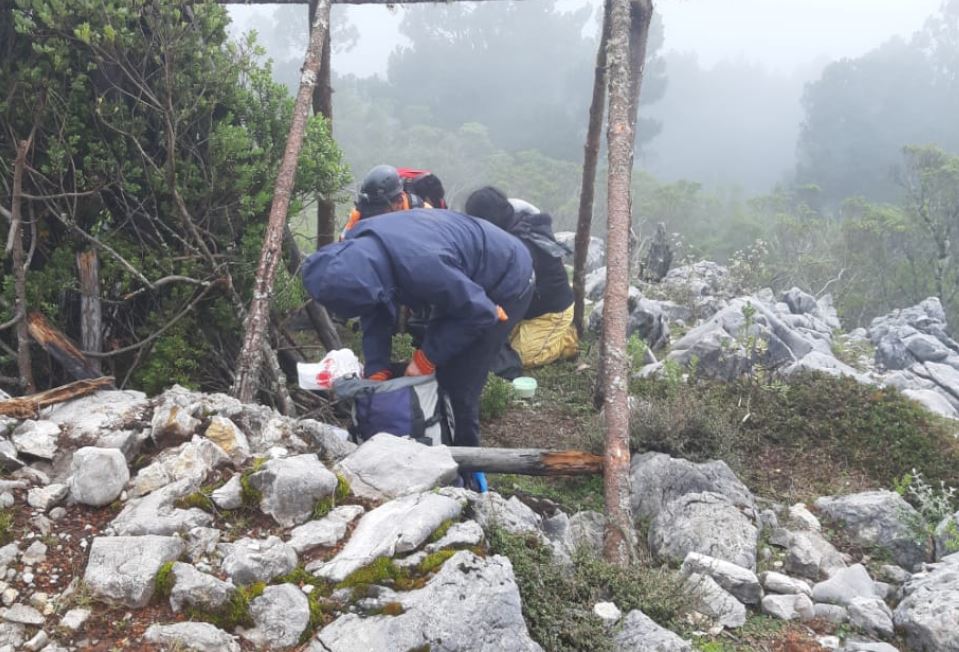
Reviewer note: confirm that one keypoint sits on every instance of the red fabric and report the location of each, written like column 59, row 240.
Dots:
column 386, row 374
column 411, row 173
column 423, row 362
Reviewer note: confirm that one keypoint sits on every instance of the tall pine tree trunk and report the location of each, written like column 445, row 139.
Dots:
column 323, row 105
column 590, row 159
column 620, row 137
column 258, row 318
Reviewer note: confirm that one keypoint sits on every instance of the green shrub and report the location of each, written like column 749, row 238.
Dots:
column 163, row 582
column 495, row 398
column 558, row 602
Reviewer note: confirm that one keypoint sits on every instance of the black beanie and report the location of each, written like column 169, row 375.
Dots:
column 492, row 205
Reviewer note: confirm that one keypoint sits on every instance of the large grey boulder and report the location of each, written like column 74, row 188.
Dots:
column 929, row 612
column 324, row 532
column 845, row 586
column 292, row 486
column 90, row 417
column 647, row 319
column 200, row 637
column 329, row 442
column 193, row 461
column 872, row 616
column 123, row 569
column 878, row 519
column 98, row 475
column 470, row 604
column 157, row 513
column 783, row 584
column 280, row 615
column 386, row 466
column 809, row 555
column 797, row 606
column 401, row 525
column 657, row 479
column 191, row 588
column 513, row 515
column 710, row 599
column 568, row 535
column 741, row 583
column 640, row 632
column 595, row 256
column 706, row 523
column 37, row 438
column 256, row 560
column 703, row 286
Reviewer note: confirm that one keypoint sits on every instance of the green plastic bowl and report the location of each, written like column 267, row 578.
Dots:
column 524, row 386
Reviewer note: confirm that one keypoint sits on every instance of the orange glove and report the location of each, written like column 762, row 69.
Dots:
column 420, row 365
column 501, row 314
column 385, row 374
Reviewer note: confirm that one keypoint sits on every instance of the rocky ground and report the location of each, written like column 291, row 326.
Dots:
column 191, row 521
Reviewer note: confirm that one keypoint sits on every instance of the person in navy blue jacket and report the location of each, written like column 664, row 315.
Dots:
column 477, row 278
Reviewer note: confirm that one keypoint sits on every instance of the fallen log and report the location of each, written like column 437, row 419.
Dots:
column 60, row 347
column 527, row 461
column 28, row 407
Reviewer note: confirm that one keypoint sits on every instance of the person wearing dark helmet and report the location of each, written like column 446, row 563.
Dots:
column 478, row 280
column 546, row 333
column 382, row 191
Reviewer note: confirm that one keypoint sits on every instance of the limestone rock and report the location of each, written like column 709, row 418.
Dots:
column 156, row 513
column 809, row 555
column 710, row 599
column 173, row 423
column 74, row 619
column 24, row 615
column 257, row 560
column 568, row 535
column 123, row 569
column 930, row 611
column 292, row 486
column 844, row 586
column 37, row 438
column 871, row 615
column 831, row 613
column 191, row 588
column 329, row 442
column 90, row 417
column 201, row 542
column 877, row 519
column 12, row 635
column 98, row 475
column 801, row 518
column 608, row 612
column 946, row 537
column 706, row 523
column 201, row 637
column 640, row 632
column 45, row 498
column 481, row 611
column 230, row 495
column 467, row 533
column 225, row 434
column 388, row 467
column 741, row 583
column 779, row 583
column 193, row 460
column 325, row 532
column 658, row 479
column 280, row 615
column 789, row 607
column 399, row 526
column 512, row 515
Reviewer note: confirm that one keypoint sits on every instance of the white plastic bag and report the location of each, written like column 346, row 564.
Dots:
column 336, row 364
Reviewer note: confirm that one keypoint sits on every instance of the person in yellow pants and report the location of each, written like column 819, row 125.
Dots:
column 546, row 333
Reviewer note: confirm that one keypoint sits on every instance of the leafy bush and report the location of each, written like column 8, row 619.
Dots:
column 558, row 601
column 495, row 398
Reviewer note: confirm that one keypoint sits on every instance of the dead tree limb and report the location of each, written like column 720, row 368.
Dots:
column 526, row 461
column 619, row 539
column 587, row 192
column 91, row 318
column 258, row 318
column 28, row 407
column 24, row 363
column 59, row 347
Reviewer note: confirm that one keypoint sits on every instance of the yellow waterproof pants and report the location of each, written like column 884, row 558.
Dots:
column 546, row 339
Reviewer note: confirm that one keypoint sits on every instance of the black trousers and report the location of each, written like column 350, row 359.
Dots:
column 464, row 376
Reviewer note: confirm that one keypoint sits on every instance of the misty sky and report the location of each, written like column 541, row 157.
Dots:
column 780, row 34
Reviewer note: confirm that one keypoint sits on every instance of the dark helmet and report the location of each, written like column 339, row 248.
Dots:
column 381, row 185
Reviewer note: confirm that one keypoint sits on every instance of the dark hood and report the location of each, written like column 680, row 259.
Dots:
column 537, row 229
column 350, row 278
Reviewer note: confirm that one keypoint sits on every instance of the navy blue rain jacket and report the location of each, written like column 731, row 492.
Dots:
column 461, row 267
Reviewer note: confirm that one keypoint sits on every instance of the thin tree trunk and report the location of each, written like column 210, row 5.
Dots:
column 590, row 159
column 640, row 17
column 317, row 314
column 24, row 363
column 323, row 105
column 619, row 540
column 258, row 320
column 91, row 320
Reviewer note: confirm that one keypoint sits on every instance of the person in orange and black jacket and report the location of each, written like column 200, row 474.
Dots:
column 382, row 191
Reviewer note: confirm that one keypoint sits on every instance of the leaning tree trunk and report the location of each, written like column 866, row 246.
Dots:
column 619, row 538
column 24, row 363
column 258, row 319
column 590, row 159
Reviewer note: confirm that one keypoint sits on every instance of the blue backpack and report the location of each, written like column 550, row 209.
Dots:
column 409, row 406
